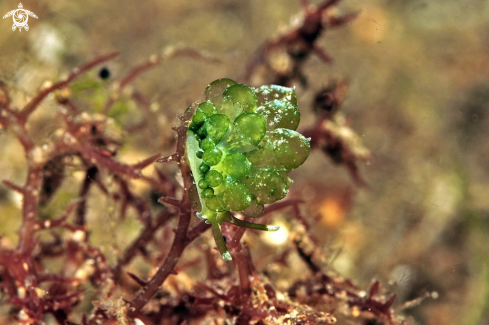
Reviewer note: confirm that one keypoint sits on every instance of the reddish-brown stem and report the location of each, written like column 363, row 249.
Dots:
column 145, row 162
column 72, row 106
column 326, row 4
column 168, row 266
column 144, row 237
column 4, row 100
column 281, row 205
column 246, row 272
column 153, row 61
column 90, row 176
column 242, row 266
column 29, row 208
column 31, row 106
column 170, row 201
column 93, row 155
column 197, row 230
column 14, row 187
column 181, row 239
column 60, row 222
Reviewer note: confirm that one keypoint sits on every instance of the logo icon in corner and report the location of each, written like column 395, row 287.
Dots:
column 20, row 16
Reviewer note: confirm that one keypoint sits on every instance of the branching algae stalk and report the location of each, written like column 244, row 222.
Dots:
column 241, row 145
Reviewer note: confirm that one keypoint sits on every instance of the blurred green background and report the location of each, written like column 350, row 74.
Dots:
column 418, row 72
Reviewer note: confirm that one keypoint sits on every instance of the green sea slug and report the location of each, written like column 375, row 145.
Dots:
column 241, row 145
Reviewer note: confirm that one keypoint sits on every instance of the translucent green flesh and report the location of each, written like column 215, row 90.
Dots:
column 241, row 144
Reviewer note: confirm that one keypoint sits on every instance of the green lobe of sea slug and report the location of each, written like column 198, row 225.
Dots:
column 290, row 147
column 213, row 92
